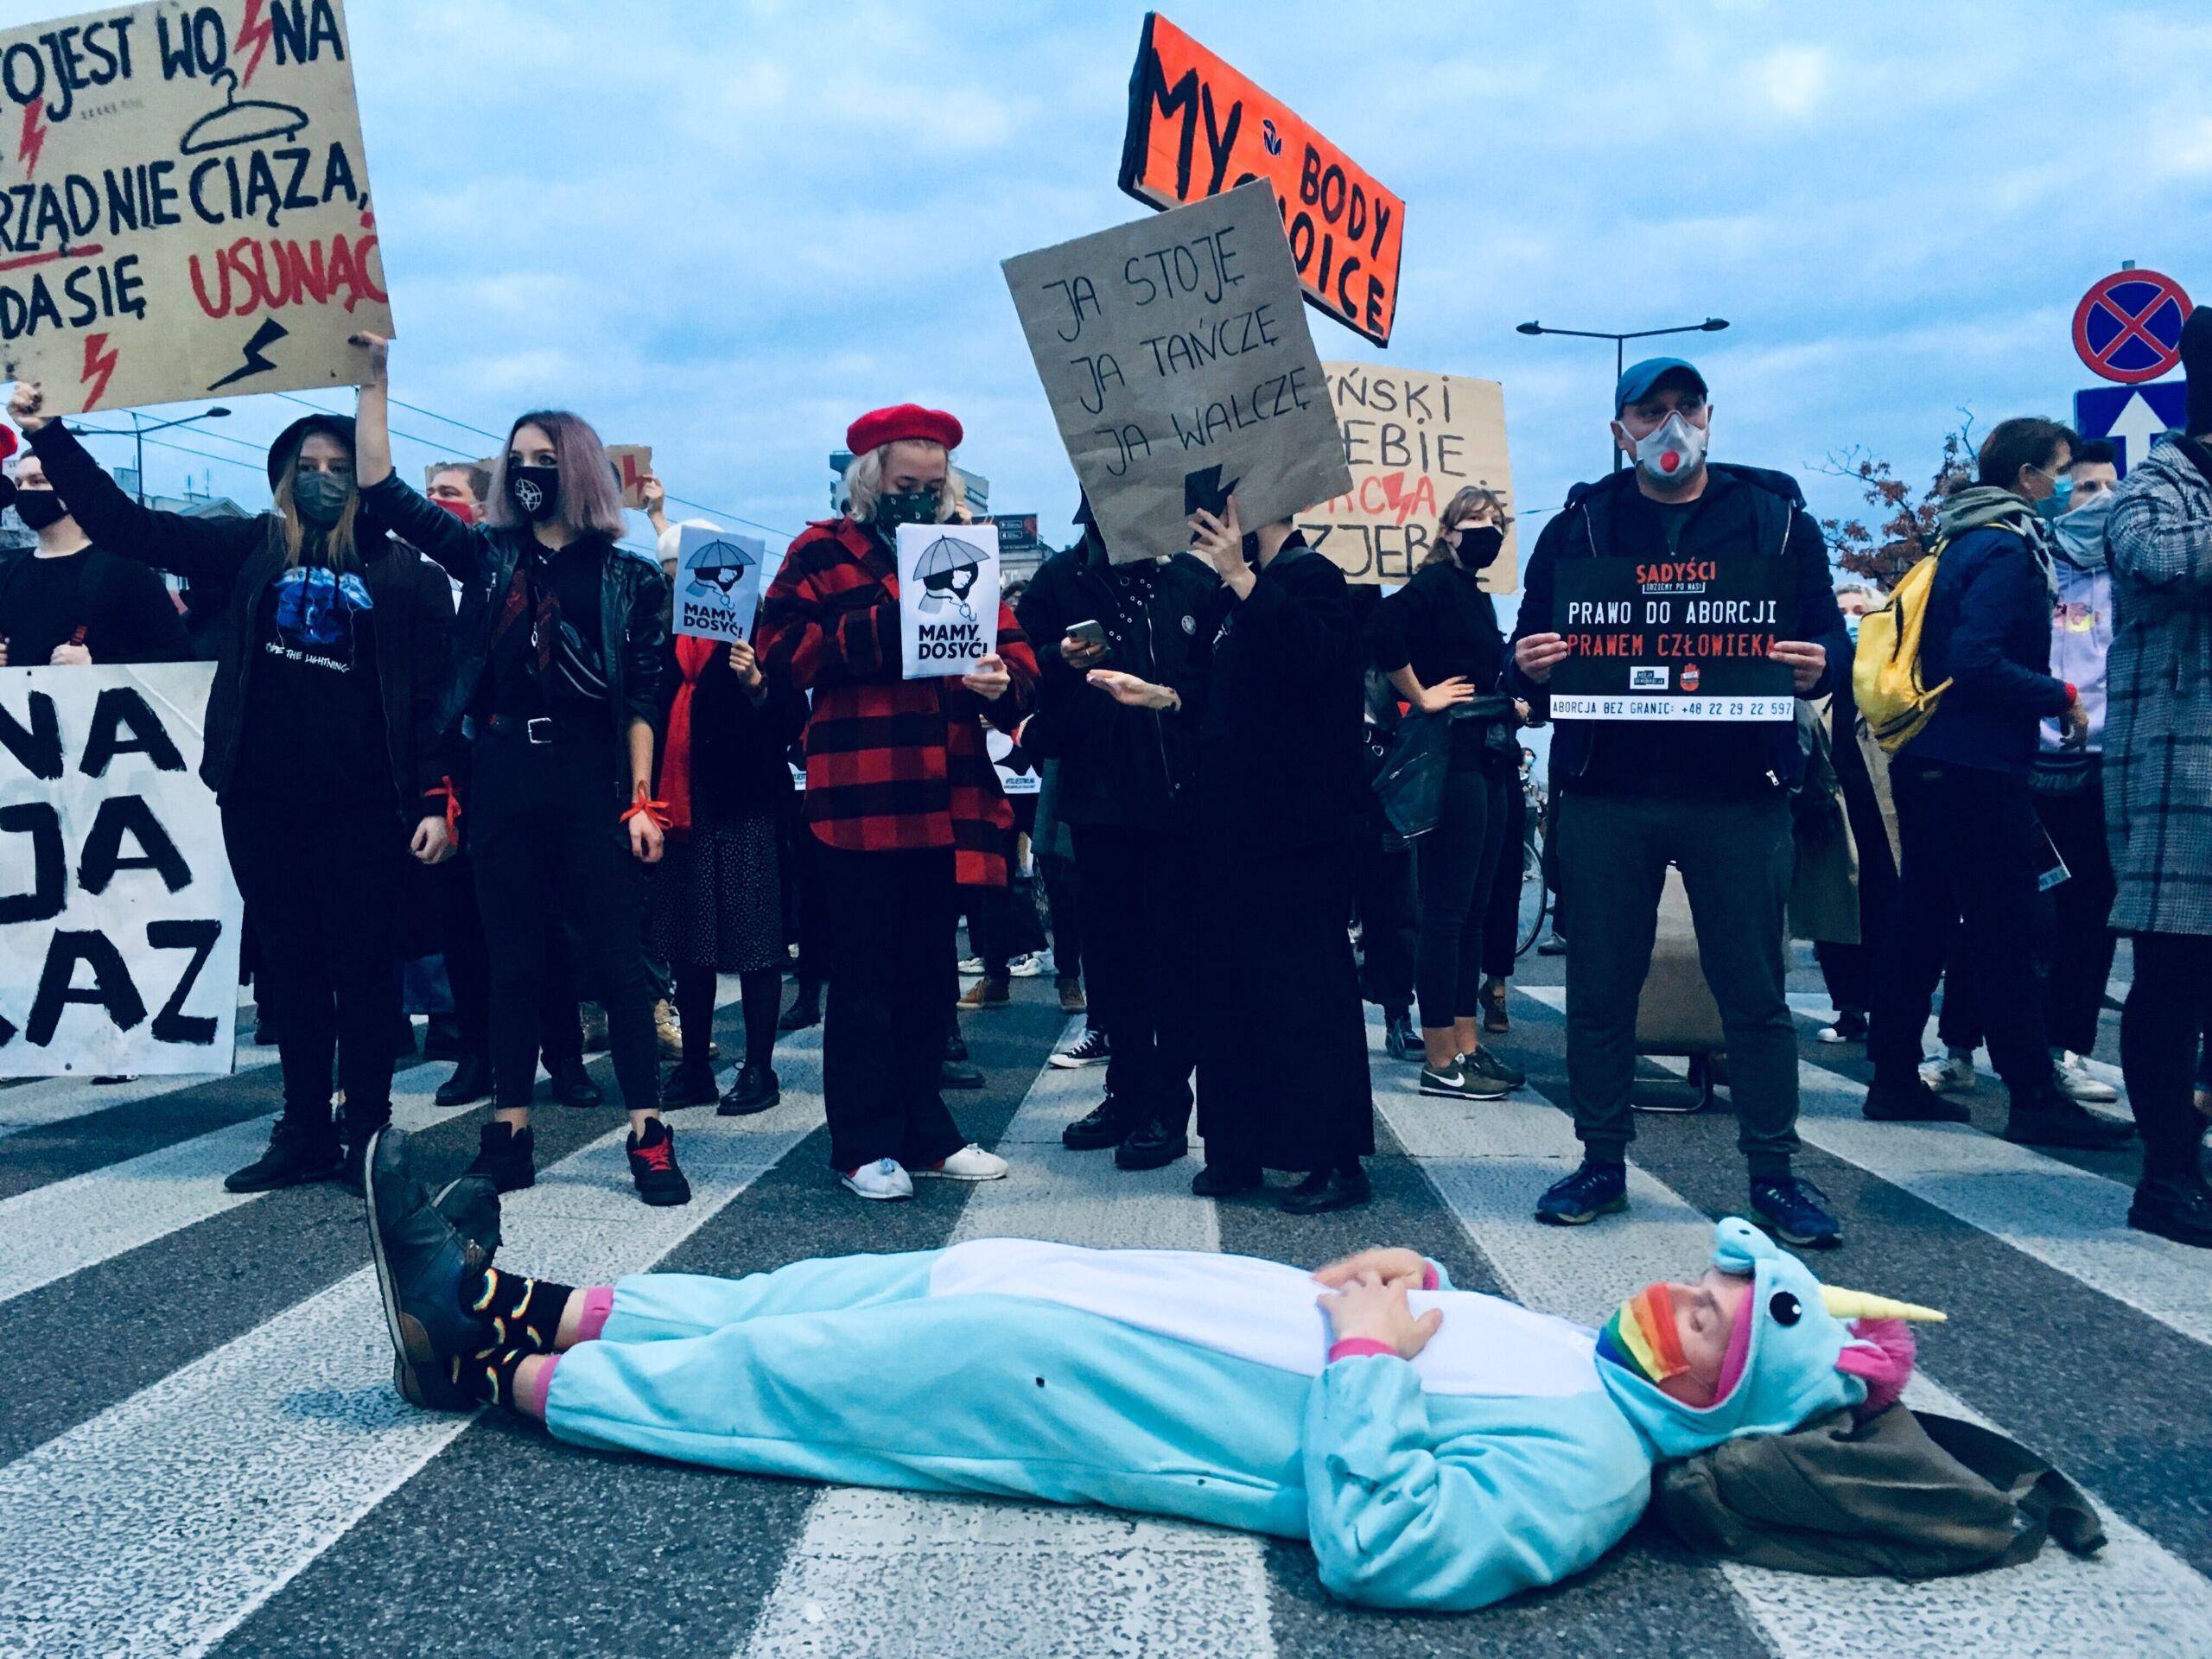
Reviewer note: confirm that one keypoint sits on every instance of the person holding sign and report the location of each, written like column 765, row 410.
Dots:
column 1709, row 795
column 1282, row 1055
column 717, row 900
column 322, row 747
column 556, row 671
column 902, row 795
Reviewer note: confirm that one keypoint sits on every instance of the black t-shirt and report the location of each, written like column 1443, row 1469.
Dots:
column 314, row 727
column 1673, row 515
column 42, row 606
column 573, row 680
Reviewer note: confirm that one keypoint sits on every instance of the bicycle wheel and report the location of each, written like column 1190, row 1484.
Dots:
column 1536, row 899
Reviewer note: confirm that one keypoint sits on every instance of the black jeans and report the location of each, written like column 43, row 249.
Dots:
column 468, row 970
column 1139, row 890
column 891, row 984
column 1064, row 912
column 324, row 885
column 2078, row 958
column 1501, row 917
column 1968, row 888
column 2169, row 1008
column 550, row 847
column 1383, row 896
column 1736, row 858
column 1456, row 862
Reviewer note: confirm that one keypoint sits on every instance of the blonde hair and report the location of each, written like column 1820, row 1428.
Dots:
column 864, row 482
column 590, row 502
column 1461, row 508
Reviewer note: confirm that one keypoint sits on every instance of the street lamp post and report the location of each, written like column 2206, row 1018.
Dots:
column 1710, row 326
column 139, row 429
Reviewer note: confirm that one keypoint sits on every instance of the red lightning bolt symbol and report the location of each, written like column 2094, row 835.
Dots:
column 1394, row 490
column 34, row 139
column 255, row 30
column 97, row 361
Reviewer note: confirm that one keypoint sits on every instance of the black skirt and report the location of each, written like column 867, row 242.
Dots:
column 718, row 899
column 1282, row 1056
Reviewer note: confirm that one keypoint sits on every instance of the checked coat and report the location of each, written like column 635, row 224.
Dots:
column 2158, row 715
column 893, row 764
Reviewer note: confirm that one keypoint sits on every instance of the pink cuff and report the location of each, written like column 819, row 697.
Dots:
column 1355, row 1347
column 1431, row 1274
column 599, row 1305
column 536, row 1404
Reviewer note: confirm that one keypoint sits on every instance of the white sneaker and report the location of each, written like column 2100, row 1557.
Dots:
column 2077, row 1082
column 1027, row 965
column 970, row 1163
column 970, row 967
column 883, row 1178
column 1949, row 1074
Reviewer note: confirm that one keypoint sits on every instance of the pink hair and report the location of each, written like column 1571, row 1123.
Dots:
column 1884, row 1366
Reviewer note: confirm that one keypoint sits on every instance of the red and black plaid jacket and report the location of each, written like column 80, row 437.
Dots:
column 891, row 764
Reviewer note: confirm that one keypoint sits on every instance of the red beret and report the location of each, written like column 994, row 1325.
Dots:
column 7, row 441
column 881, row 426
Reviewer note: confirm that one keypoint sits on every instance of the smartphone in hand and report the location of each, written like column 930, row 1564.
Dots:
column 1088, row 633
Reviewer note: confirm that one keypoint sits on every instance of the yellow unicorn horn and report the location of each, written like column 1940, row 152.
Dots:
column 1859, row 1304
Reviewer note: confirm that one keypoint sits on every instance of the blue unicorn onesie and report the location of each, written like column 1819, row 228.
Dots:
column 1514, row 1451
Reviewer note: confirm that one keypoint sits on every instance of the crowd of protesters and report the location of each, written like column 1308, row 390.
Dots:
column 1239, row 752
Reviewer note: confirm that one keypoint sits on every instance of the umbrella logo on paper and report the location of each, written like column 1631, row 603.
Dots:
column 718, row 569
column 948, row 569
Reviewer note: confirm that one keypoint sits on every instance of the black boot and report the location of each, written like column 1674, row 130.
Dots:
column 1328, row 1189
column 653, row 1168
column 805, row 1010
column 753, row 1089
column 300, row 1151
column 570, row 1083
column 2173, row 1206
column 1107, row 1124
column 471, row 1080
column 356, row 1129
column 1155, row 1146
column 688, row 1085
column 954, row 1071
column 1224, row 1180
column 442, row 1039
column 2049, row 1119
column 1911, row 1102
column 506, row 1156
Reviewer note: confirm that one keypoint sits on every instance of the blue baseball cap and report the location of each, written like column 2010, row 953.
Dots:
column 1640, row 377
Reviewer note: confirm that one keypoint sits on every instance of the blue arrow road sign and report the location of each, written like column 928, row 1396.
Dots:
column 2133, row 417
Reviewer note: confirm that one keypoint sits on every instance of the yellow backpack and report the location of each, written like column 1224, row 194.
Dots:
column 1885, row 669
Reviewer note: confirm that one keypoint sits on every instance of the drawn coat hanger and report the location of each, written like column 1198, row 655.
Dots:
column 240, row 121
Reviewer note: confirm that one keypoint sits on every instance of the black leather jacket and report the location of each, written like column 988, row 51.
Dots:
column 633, row 603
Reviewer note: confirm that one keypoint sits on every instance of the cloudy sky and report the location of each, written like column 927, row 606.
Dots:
column 724, row 229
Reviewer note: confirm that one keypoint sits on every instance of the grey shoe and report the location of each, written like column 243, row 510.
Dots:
column 1462, row 1082
column 422, row 1264
column 1484, row 1062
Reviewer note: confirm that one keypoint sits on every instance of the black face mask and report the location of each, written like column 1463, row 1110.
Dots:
column 322, row 497
column 899, row 507
column 1479, row 546
column 536, row 491
column 39, row 509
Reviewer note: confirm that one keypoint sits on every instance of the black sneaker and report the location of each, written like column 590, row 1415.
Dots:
column 2051, row 1119
column 688, row 1085
column 958, row 1074
column 1328, row 1189
column 1089, row 1049
column 470, row 1081
column 1486, row 1063
column 423, row 1265
column 2173, row 1207
column 1592, row 1190
column 1911, row 1102
column 1797, row 1213
column 1400, row 1040
column 652, row 1166
column 1107, row 1124
column 1155, row 1146
column 1222, row 1180
column 506, row 1156
column 955, row 1046
column 1462, row 1082
column 570, row 1083
column 753, row 1089
column 804, row 1011
column 299, row 1153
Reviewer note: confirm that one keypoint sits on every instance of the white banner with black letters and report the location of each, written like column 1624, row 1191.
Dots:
column 118, row 915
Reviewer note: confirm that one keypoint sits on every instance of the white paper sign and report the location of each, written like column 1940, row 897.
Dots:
column 948, row 598
column 998, row 745
column 717, row 583
column 118, row 914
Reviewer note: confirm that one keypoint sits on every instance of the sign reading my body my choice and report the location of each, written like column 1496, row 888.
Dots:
column 1675, row 640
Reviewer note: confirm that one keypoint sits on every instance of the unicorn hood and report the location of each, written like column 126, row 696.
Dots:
column 1791, row 1357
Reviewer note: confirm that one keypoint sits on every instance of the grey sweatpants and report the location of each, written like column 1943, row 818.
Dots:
column 1735, row 858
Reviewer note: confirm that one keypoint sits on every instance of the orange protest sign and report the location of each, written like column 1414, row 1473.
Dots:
column 1198, row 128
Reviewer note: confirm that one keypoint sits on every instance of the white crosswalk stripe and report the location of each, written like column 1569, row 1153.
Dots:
column 874, row 1570
column 1489, row 1163
column 157, row 1526
column 47, row 1101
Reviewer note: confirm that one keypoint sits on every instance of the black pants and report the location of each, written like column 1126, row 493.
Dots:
column 1736, row 858
column 1002, row 921
column 805, row 905
column 694, row 1010
column 1064, row 912
column 1456, row 862
column 1971, row 859
column 1139, row 887
column 2169, row 1008
column 1502, row 916
column 468, row 970
column 550, row 848
column 324, row 883
column 2078, row 960
column 890, row 979
column 1383, row 875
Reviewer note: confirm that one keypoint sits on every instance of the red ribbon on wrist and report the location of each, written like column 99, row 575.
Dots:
column 645, row 806
column 445, row 789
column 2072, row 694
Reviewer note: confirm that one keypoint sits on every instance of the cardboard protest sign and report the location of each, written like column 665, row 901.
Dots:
column 948, row 598
column 119, row 919
column 1412, row 440
column 1683, row 639
column 1198, row 128
column 186, row 204
column 999, row 745
column 1176, row 356
column 717, row 582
